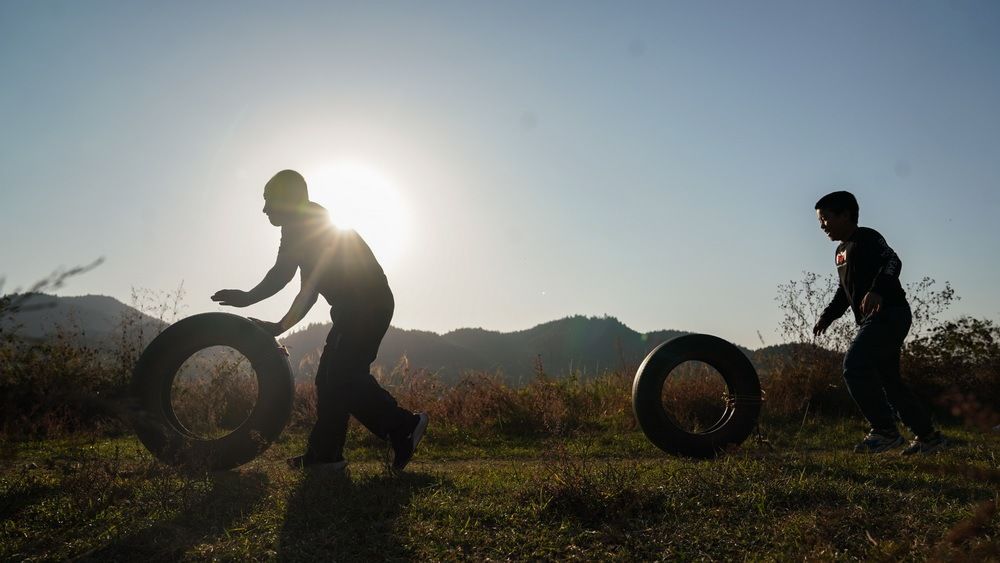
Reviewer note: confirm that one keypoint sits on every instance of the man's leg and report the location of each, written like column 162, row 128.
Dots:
column 373, row 406
column 326, row 441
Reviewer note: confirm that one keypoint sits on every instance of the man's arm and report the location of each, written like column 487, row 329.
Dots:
column 833, row 311
column 300, row 306
column 274, row 280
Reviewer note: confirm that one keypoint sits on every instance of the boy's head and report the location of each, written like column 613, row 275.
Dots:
column 285, row 196
column 838, row 214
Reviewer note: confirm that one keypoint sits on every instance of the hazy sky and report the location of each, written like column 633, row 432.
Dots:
column 657, row 162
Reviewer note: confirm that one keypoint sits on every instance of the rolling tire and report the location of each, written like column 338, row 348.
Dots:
column 742, row 407
column 155, row 421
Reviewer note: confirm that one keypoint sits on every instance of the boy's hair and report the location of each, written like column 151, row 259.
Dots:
column 839, row 202
column 289, row 186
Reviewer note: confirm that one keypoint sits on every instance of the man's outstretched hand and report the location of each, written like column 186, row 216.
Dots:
column 274, row 329
column 232, row 298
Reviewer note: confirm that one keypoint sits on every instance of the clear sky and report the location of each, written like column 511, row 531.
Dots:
column 657, row 162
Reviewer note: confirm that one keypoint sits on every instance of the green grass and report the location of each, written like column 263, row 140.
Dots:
column 605, row 496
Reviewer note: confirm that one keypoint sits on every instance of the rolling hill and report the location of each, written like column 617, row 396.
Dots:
column 586, row 345
column 94, row 317
column 579, row 344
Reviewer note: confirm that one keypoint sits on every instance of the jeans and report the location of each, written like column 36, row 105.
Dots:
column 871, row 371
column 344, row 386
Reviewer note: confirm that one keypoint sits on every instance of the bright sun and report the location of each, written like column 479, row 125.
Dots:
column 359, row 197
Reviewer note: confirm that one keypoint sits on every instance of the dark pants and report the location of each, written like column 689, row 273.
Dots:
column 871, row 370
column 344, row 386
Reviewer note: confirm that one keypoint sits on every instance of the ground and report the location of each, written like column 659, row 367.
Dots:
column 607, row 496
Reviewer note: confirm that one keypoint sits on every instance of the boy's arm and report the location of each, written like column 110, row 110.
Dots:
column 833, row 311
column 889, row 265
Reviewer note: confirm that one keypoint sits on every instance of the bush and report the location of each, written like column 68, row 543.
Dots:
column 62, row 384
column 485, row 403
column 953, row 365
column 957, row 366
column 56, row 386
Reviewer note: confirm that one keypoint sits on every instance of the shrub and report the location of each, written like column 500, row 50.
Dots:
column 953, row 365
column 63, row 384
column 957, row 365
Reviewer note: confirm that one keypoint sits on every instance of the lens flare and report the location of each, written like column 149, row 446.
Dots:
column 361, row 198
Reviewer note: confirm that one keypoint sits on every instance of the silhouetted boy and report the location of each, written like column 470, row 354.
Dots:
column 869, row 285
column 340, row 266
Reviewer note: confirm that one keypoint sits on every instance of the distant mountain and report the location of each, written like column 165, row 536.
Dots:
column 587, row 345
column 584, row 345
column 96, row 317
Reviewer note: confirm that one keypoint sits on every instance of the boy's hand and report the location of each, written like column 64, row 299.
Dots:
column 871, row 303
column 820, row 327
column 274, row 329
column 232, row 298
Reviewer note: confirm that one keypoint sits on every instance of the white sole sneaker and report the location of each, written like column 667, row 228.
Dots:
column 415, row 436
column 418, row 432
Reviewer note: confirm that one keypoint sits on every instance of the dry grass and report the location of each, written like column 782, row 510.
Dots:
column 60, row 386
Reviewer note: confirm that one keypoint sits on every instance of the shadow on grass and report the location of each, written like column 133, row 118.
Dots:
column 229, row 496
column 14, row 500
column 335, row 517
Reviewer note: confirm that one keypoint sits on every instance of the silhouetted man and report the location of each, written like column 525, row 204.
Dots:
column 340, row 266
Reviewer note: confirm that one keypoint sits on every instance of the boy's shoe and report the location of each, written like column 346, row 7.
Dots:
column 305, row 462
column 404, row 446
column 877, row 441
column 933, row 443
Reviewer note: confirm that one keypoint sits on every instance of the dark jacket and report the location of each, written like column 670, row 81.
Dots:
column 865, row 262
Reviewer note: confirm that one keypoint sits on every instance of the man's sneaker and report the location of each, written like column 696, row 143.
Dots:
column 930, row 444
column 404, row 446
column 876, row 442
column 306, row 462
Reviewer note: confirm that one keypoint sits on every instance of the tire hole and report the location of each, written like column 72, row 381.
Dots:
column 694, row 396
column 214, row 392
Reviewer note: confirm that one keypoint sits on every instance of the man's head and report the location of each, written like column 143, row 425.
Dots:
column 838, row 214
column 285, row 197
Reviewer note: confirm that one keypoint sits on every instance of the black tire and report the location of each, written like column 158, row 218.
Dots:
column 742, row 407
column 155, row 421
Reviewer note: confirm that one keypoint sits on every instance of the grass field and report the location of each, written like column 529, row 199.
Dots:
column 609, row 496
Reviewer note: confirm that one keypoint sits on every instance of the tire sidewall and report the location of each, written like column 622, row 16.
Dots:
column 738, row 420
column 157, row 426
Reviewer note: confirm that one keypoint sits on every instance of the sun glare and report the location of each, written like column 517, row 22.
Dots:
column 359, row 197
